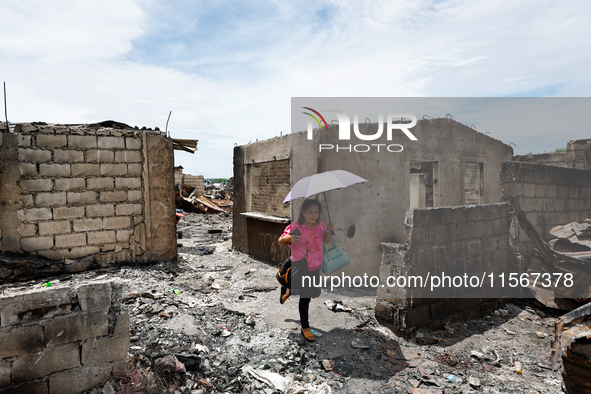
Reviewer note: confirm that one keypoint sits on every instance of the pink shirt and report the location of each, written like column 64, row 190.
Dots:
column 300, row 248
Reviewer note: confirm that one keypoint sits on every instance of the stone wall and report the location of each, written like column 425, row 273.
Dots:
column 269, row 184
column 62, row 339
column 69, row 193
column 468, row 240
column 577, row 155
column 549, row 195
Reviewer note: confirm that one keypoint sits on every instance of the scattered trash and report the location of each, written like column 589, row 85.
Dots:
column 474, row 381
column 541, row 335
column 328, row 365
column 225, row 333
column 337, row 306
column 448, row 329
column 175, row 291
column 426, row 391
column 518, row 367
column 220, row 285
column 358, row 344
column 170, row 364
column 452, row 378
column 165, row 315
column 250, row 321
column 316, row 333
column 48, row 284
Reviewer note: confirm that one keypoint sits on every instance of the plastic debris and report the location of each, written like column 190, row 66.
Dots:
column 175, row 291
column 328, row 365
column 316, row 333
column 359, row 344
column 518, row 367
column 48, row 284
column 220, row 285
column 453, row 378
column 337, row 306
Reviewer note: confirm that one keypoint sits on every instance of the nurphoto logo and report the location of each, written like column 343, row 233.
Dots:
column 394, row 122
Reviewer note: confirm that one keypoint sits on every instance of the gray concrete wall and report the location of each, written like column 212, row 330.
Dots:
column 69, row 193
column 63, row 339
column 577, row 155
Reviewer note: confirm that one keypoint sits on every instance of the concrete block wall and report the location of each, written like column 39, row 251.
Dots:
column 452, row 240
column 69, row 193
column 269, row 185
column 196, row 181
column 549, row 195
column 63, row 339
column 577, row 155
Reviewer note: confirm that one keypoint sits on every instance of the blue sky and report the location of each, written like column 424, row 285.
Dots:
column 228, row 69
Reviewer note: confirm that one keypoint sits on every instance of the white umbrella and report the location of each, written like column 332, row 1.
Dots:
column 321, row 183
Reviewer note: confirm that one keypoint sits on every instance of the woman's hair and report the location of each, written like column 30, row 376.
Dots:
column 307, row 204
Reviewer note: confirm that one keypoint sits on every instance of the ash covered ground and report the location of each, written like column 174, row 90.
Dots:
column 217, row 312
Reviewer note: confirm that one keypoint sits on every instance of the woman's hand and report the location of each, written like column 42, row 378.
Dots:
column 330, row 226
column 293, row 238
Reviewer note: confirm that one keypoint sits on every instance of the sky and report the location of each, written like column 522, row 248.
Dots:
column 228, row 69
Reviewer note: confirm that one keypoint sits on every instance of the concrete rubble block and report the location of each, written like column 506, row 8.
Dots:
column 82, row 141
column 100, row 183
column 68, row 156
column 36, row 243
column 20, row 340
column 49, row 199
column 100, row 156
column 101, row 237
column 23, row 140
column 94, row 296
column 50, row 141
column 33, row 155
column 37, row 387
column 82, row 198
column 70, row 240
column 113, row 223
column 49, row 360
column 54, row 227
column 68, row 184
column 79, row 380
column 28, row 169
column 68, row 212
column 134, row 195
column 83, row 251
column 34, row 214
column 34, row 305
column 76, row 327
column 133, row 143
column 81, row 225
column 116, row 196
column 28, row 200
column 113, row 169
column 85, row 169
column 111, row 143
column 36, row 185
column 105, row 350
column 134, row 169
column 128, row 209
column 100, row 210
column 128, row 183
column 121, row 324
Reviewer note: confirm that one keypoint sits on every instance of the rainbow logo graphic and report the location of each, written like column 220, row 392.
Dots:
column 315, row 118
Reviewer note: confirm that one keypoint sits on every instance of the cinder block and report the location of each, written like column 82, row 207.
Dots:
column 113, row 169
column 68, row 212
column 94, row 296
column 529, row 190
column 20, row 340
column 23, row 140
column 70, row 240
column 81, row 141
column 116, row 196
column 54, row 169
column 34, row 155
column 111, row 143
column 83, row 251
column 48, row 199
column 79, row 380
column 100, row 156
column 100, row 210
column 134, row 195
column 133, row 143
column 55, row 254
column 52, row 359
column 68, row 156
column 70, row 184
column 133, row 156
column 54, row 227
column 36, row 185
column 573, row 192
column 28, row 169
column 36, row 243
column 128, row 209
column 82, row 198
column 128, row 183
column 121, row 324
column 28, row 200
column 100, row 183
column 123, row 235
column 50, row 141
column 489, row 244
column 76, row 327
column 85, row 169
column 111, row 223
column 33, row 214
column 419, row 236
column 83, row 225
column 101, row 237
column 27, row 230
column 541, row 190
column 135, row 169
column 105, row 350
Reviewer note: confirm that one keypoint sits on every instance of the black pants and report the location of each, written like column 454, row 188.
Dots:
column 305, row 290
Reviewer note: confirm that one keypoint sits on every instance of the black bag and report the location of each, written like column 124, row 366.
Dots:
column 284, row 273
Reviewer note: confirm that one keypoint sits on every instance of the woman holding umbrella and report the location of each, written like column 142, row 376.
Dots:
column 305, row 237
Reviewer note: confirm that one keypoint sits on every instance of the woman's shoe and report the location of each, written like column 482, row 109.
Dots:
column 307, row 333
column 284, row 295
